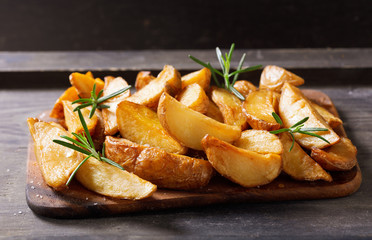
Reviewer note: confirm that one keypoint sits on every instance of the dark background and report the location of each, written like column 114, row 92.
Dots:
column 122, row 25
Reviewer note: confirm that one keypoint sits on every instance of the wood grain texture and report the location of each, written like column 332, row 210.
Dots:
column 77, row 202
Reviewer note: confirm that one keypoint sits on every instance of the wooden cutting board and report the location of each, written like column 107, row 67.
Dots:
column 77, row 202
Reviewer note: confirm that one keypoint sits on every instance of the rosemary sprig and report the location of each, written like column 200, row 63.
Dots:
column 85, row 145
column 96, row 100
column 297, row 128
column 225, row 67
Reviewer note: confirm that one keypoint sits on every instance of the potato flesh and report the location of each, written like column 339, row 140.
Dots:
column 141, row 125
column 244, row 167
column 298, row 164
column 70, row 95
column 109, row 114
column 143, row 78
column 230, row 107
column 259, row 141
column 293, row 107
column 164, row 169
column 56, row 162
column 338, row 157
column 201, row 77
column 331, row 119
column 244, row 87
column 194, row 97
column 214, row 112
column 105, row 179
column 274, row 77
column 168, row 80
column 84, row 84
column 259, row 106
column 189, row 127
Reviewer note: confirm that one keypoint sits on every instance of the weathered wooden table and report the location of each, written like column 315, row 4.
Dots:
column 30, row 83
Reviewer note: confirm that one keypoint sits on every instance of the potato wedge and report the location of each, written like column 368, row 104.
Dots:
column 244, row 167
column 99, row 130
column 70, row 95
column 259, row 141
column 258, row 107
column 244, row 87
column 143, row 78
column 168, row 80
column 84, row 84
column 338, row 157
column 105, row 179
column 164, row 169
column 72, row 118
column 141, row 125
column 230, row 107
column 193, row 96
column 201, row 77
column 298, row 164
column 293, row 107
column 214, row 112
column 55, row 161
column 109, row 114
column 274, row 77
column 331, row 119
column 189, row 127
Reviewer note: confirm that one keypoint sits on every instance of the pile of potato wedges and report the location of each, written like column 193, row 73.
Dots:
column 177, row 132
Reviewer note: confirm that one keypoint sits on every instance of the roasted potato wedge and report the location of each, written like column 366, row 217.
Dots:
column 70, row 95
column 72, row 120
column 244, row 167
column 338, row 157
column 259, row 141
column 259, row 106
column 189, row 126
column 193, row 96
column 141, row 125
column 331, row 119
column 298, row 164
column 109, row 114
column 201, row 77
column 168, row 80
column 143, row 78
column 99, row 130
column 214, row 112
column 105, row 179
column 84, row 84
column 230, row 107
column 244, row 87
column 274, row 77
column 164, row 169
column 55, row 161
column 293, row 107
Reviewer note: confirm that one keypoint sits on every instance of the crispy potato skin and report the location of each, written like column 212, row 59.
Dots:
column 70, row 95
column 331, row 119
column 201, row 77
column 274, row 77
column 143, row 78
column 164, row 169
column 260, row 141
column 193, row 96
column 244, row 87
column 338, row 157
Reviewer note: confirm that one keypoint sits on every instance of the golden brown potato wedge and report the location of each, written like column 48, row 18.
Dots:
column 214, row 112
column 141, row 125
column 293, row 107
column 259, row 141
column 298, row 164
column 338, row 157
column 56, row 162
column 189, row 127
column 201, row 77
column 72, row 120
column 230, row 107
column 244, row 87
column 244, row 167
column 168, row 80
column 164, row 169
column 70, row 95
column 109, row 114
column 274, row 77
column 84, row 84
column 193, row 96
column 89, row 74
column 99, row 130
column 143, row 78
column 105, row 179
column 259, row 106
column 331, row 119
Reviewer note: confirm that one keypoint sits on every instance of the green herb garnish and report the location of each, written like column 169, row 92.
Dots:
column 85, row 145
column 225, row 66
column 297, row 128
column 96, row 101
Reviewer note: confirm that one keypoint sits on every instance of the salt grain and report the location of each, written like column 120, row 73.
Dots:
column 8, row 170
column 19, row 212
column 95, row 204
column 32, row 187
